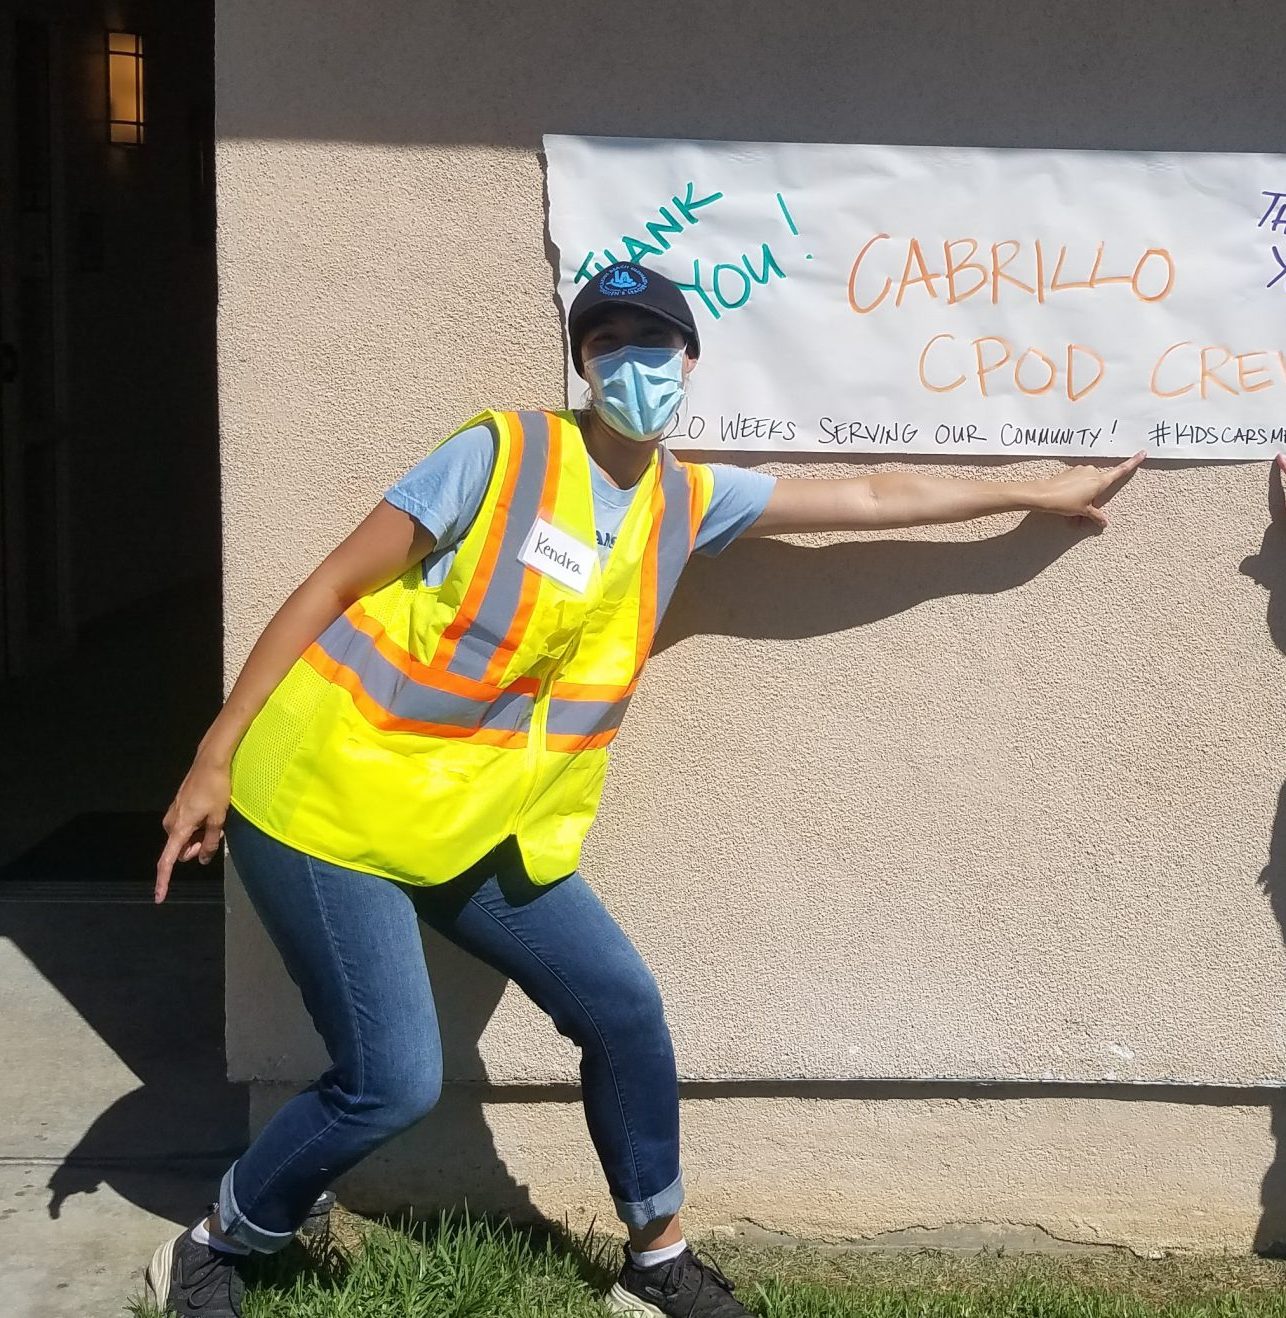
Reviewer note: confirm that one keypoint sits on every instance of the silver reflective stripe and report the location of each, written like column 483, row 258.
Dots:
column 405, row 698
column 510, row 712
column 495, row 616
column 676, row 532
column 585, row 718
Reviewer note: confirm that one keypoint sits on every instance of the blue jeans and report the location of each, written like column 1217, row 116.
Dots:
column 351, row 943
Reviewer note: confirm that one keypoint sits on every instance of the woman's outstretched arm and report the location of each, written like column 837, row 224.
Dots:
column 888, row 500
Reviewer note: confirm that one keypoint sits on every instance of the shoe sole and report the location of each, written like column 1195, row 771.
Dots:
column 159, row 1272
column 621, row 1301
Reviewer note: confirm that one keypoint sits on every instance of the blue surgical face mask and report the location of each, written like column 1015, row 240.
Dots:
column 637, row 391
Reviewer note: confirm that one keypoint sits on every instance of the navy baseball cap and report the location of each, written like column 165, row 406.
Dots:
column 627, row 285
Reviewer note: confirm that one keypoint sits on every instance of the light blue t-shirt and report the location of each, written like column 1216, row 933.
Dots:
column 444, row 492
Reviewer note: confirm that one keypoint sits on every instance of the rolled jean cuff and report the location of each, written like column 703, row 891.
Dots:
column 236, row 1226
column 663, row 1204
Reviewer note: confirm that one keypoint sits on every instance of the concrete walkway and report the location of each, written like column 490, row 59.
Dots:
column 117, row 1118
column 117, row 1121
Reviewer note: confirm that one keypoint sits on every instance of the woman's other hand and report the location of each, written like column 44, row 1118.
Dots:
column 194, row 821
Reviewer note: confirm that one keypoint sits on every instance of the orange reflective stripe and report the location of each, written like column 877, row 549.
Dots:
column 374, row 713
column 593, row 690
column 456, row 684
column 570, row 745
column 505, row 651
column 477, row 590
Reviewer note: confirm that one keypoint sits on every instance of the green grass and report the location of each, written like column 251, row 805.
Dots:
column 466, row 1267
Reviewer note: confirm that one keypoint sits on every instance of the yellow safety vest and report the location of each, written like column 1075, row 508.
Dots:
column 427, row 724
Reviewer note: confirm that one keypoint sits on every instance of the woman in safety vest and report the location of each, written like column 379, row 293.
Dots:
column 421, row 733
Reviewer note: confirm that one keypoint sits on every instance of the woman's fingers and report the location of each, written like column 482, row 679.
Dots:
column 1103, row 483
column 1114, row 475
column 165, row 866
column 194, row 823
column 209, row 842
column 187, row 841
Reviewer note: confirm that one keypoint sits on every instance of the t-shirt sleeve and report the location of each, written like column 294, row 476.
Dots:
column 444, row 491
column 740, row 496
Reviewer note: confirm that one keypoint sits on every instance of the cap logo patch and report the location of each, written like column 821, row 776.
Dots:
column 623, row 281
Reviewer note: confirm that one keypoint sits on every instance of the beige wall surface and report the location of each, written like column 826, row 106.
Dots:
column 996, row 801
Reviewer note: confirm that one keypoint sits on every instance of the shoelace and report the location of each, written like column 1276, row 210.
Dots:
column 707, row 1271
column 711, row 1269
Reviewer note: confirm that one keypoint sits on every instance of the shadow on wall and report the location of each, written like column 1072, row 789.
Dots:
column 896, row 574
column 471, row 1171
column 1014, row 74
column 454, row 1158
column 908, row 573
column 1268, row 569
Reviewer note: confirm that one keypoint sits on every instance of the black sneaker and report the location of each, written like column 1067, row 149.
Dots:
column 685, row 1287
column 194, row 1281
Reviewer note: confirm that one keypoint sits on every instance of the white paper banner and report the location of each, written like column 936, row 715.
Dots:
column 951, row 300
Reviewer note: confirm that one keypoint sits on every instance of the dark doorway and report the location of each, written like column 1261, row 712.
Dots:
column 110, row 623
column 29, row 484
column 109, row 487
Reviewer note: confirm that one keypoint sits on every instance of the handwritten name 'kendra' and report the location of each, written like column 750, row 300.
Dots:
column 558, row 557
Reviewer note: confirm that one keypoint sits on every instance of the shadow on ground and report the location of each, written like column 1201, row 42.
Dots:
column 149, row 984
column 86, row 770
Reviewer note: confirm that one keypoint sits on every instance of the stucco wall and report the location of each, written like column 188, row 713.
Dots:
column 888, row 1165
column 994, row 801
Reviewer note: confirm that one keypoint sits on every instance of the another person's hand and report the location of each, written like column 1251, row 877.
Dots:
column 194, row 821
column 1073, row 493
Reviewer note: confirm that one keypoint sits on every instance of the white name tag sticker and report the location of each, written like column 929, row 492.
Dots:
column 559, row 556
